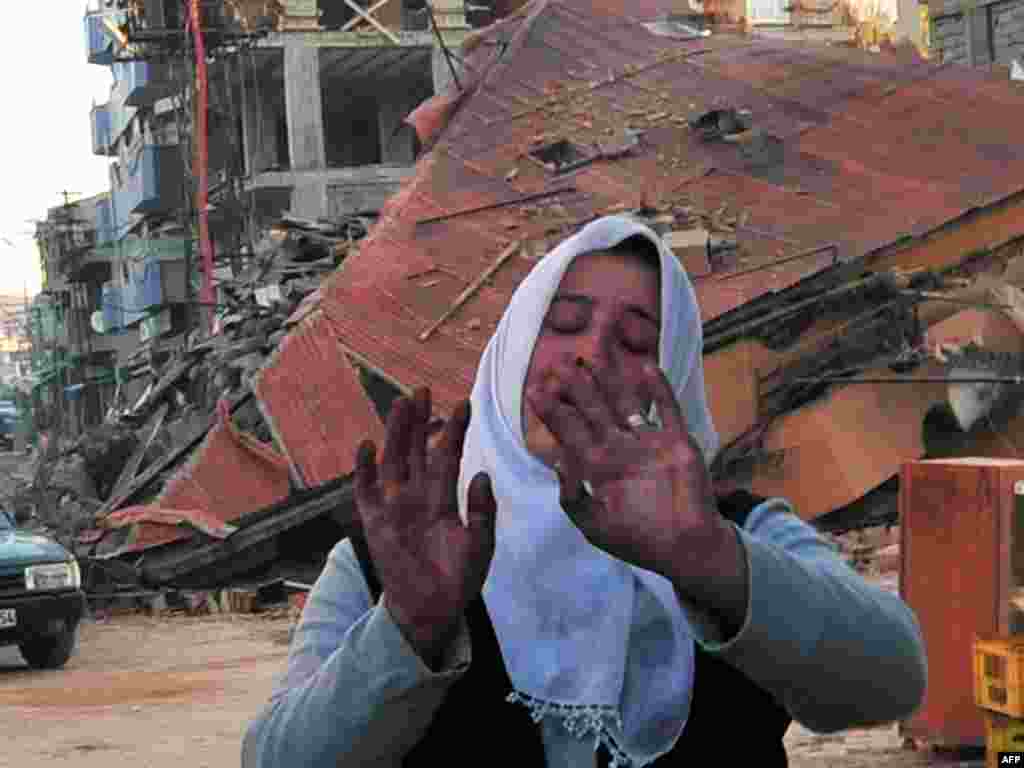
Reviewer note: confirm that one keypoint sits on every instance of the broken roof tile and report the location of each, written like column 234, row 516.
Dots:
column 312, row 399
column 230, row 475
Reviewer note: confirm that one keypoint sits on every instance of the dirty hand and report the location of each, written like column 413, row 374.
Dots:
column 430, row 566
column 652, row 503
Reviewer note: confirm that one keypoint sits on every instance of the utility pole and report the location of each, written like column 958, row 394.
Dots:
column 201, row 166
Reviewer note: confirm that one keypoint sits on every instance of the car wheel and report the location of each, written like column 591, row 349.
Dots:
column 50, row 651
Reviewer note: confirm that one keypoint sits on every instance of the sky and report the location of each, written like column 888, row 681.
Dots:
column 49, row 88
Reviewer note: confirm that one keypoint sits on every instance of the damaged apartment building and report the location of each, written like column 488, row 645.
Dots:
column 75, row 364
column 305, row 118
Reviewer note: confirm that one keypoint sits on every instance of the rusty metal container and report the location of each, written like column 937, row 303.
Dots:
column 960, row 532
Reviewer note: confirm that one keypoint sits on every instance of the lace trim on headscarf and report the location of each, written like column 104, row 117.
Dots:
column 581, row 721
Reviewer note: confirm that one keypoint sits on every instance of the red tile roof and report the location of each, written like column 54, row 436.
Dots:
column 312, row 399
column 230, row 475
column 856, row 149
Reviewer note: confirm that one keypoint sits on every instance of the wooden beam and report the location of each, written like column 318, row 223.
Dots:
column 473, row 288
column 128, row 472
column 376, row 24
column 352, row 23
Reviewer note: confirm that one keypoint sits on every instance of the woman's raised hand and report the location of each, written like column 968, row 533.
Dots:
column 429, row 564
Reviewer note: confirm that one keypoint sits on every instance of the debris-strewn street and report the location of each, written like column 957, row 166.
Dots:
column 164, row 692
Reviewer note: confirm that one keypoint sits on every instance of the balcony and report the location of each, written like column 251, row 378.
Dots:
column 113, row 307
column 101, row 44
column 149, row 183
column 102, row 123
column 150, row 274
column 105, row 229
column 142, row 83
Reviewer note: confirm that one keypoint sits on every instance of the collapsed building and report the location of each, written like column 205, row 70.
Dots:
column 859, row 297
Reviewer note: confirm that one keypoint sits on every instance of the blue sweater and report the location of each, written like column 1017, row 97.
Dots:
column 836, row 651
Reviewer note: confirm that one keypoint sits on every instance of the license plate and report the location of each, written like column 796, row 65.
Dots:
column 8, row 618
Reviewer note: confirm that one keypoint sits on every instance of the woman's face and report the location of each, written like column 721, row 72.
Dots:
column 607, row 311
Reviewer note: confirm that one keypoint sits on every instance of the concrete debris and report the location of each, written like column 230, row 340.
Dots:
column 268, row 601
column 70, row 488
column 870, row 551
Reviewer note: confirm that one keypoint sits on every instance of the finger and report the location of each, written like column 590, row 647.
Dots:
column 444, row 488
column 365, row 487
column 394, row 464
column 664, row 398
column 482, row 507
column 481, row 515
column 418, row 438
column 563, row 421
column 625, row 394
column 580, row 386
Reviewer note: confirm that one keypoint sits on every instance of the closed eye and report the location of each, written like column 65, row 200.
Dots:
column 640, row 334
column 568, row 316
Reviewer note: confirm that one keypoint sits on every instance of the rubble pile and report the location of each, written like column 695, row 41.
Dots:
column 70, row 485
column 284, row 267
column 871, row 551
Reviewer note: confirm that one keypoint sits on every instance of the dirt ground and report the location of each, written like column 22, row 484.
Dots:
column 143, row 692
column 171, row 692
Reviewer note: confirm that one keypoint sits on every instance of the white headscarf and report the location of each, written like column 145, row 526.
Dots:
column 587, row 638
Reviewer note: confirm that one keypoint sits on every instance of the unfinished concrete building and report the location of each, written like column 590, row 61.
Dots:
column 313, row 101
column 306, row 103
column 324, row 99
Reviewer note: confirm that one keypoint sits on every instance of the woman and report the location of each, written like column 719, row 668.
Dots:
column 558, row 569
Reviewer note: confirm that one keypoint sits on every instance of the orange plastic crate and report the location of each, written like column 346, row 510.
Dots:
column 999, row 674
column 1002, row 734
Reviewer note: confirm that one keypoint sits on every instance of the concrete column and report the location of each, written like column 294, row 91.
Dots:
column 304, row 107
column 976, row 35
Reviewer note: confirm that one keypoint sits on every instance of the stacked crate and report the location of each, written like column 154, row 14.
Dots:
column 999, row 691
column 961, row 570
